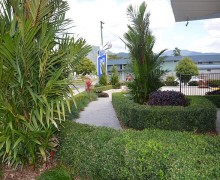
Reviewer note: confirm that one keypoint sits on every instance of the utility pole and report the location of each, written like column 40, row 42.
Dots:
column 101, row 23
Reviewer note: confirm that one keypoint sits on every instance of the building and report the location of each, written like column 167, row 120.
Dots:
column 206, row 64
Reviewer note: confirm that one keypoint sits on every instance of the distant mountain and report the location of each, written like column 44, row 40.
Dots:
column 93, row 54
column 188, row 53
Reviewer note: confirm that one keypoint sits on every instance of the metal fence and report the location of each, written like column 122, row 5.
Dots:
column 199, row 85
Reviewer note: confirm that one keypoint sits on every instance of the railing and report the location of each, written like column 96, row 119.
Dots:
column 199, row 85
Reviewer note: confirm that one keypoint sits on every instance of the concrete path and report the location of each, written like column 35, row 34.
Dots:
column 100, row 113
column 218, row 121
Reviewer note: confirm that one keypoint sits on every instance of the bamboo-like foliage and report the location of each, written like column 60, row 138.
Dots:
column 145, row 64
column 35, row 59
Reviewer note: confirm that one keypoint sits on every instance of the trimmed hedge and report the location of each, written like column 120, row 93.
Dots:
column 103, row 153
column 102, row 88
column 81, row 101
column 215, row 99
column 200, row 115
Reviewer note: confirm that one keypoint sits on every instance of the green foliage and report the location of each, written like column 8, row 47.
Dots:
column 104, row 153
column 84, row 66
column 214, row 82
column 58, row 173
column 170, row 81
column 102, row 94
column 103, row 80
column 115, row 77
column 215, row 99
column 185, row 69
column 200, row 115
column 177, row 52
column 102, row 88
column 35, row 56
column 145, row 64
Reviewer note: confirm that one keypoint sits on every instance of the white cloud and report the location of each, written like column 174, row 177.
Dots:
column 211, row 42
column 87, row 16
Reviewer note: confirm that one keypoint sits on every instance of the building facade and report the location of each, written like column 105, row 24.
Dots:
column 206, row 64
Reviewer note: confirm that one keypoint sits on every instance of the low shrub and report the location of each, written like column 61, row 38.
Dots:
column 104, row 153
column 214, row 83
column 193, row 83
column 214, row 97
column 102, row 94
column 216, row 92
column 170, row 81
column 167, row 98
column 102, row 88
column 199, row 115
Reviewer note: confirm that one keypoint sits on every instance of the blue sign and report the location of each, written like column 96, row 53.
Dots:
column 101, row 61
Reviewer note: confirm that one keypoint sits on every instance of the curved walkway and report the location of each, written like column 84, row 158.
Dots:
column 100, row 113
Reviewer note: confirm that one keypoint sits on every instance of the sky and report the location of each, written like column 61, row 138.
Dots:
column 200, row 36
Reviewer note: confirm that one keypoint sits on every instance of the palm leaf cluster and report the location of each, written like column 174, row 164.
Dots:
column 36, row 57
column 145, row 64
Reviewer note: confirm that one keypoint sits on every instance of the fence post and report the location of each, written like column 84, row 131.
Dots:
column 180, row 83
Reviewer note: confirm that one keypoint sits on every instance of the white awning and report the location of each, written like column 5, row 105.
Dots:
column 187, row 10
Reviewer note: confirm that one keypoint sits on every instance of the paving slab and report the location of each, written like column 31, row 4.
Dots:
column 100, row 113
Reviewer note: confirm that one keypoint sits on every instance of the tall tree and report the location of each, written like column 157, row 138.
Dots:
column 84, row 66
column 35, row 55
column 176, row 52
column 146, row 65
column 185, row 69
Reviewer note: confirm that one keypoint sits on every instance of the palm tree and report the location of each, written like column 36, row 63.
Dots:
column 35, row 59
column 144, row 62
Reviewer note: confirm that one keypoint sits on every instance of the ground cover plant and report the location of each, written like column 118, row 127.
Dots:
column 104, row 153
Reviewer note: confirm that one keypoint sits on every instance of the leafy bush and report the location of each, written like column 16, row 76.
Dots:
column 114, row 79
column 170, row 81
column 216, row 92
column 193, row 83
column 214, row 83
column 199, row 115
column 102, row 94
column 102, row 88
column 104, row 153
column 214, row 97
column 167, row 98
column 103, row 79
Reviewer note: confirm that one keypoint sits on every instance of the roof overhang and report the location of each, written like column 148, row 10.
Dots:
column 187, row 10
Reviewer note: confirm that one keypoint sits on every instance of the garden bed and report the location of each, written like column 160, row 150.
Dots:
column 199, row 115
column 104, row 153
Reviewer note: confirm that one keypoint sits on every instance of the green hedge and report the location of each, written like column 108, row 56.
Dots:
column 81, row 101
column 200, row 115
column 103, row 153
column 215, row 99
column 102, row 88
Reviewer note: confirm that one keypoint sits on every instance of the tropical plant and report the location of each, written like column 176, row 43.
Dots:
column 185, row 69
column 146, row 65
column 35, row 59
column 114, row 77
column 103, row 80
